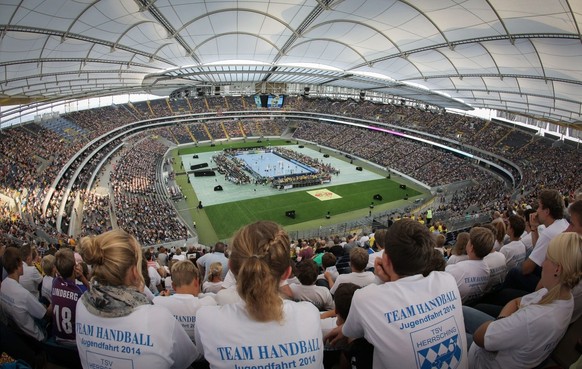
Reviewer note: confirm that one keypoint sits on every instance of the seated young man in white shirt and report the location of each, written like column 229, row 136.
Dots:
column 358, row 262
column 307, row 290
column 411, row 320
column 30, row 278
column 185, row 302
column 19, row 306
column 472, row 275
column 515, row 250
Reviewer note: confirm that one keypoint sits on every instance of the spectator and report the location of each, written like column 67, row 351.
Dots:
column 31, row 278
column 358, row 262
column 49, row 270
column 472, row 275
column 260, row 261
column 515, row 250
column 550, row 213
column 185, row 302
column 65, row 294
column 495, row 260
column 115, row 308
column 19, row 306
column 406, row 300
column 529, row 328
column 459, row 251
column 359, row 353
column 307, row 290
column 216, row 256
column 214, row 282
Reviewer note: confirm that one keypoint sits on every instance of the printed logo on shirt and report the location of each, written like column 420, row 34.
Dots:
column 95, row 360
column 438, row 346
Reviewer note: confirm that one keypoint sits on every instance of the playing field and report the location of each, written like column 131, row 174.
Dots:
column 226, row 211
column 227, row 218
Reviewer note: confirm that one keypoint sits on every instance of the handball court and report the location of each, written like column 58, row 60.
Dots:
column 204, row 186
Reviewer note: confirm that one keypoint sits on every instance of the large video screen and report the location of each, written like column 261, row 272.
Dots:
column 275, row 101
column 258, row 101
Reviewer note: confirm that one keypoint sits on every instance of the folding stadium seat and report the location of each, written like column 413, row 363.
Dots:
column 21, row 347
column 61, row 355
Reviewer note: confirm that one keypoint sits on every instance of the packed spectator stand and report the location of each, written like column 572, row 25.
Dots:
column 31, row 149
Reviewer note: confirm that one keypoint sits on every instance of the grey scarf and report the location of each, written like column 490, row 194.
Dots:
column 112, row 302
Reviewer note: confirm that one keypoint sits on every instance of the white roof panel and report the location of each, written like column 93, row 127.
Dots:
column 489, row 53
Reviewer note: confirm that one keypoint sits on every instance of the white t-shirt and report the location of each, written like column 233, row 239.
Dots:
column 212, row 287
column 229, row 280
column 361, row 279
column 497, row 269
column 296, row 341
column 149, row 337
column 184, row 307
column 180, row 257
column 514, row 252
column 472, row 277
column 317, row 295
column 527, row 241
column 155, row 279
column 538, row 255
column 30, row 279
column 47, row 287
column 227, row 296
column 454, row 259
column 525, row 338
column 412, row 322
column 332, row 271
column 373, row 257
column 20, row 306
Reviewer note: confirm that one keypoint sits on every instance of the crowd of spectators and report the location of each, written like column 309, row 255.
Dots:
column 32, row 155
column 138, row 205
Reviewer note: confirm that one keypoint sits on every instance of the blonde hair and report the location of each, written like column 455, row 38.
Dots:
column 184, row 272
column 565, row 250
column 214, row 270
column 48, row 265
column 112, row 254
column 259, row 257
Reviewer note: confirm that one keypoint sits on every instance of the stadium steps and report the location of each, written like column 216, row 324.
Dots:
column 150, row 108
column 207, row 131
column 504, row 137
column 188, row 102
column 169, row 106
column 224, row 130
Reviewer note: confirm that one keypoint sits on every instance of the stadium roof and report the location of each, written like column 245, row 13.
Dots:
column 522, row 56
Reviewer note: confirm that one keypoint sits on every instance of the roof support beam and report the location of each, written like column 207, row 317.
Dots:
column 472, row 41
column 523, row 76
column 168, row 26
column 44, row 31
column 76, row 60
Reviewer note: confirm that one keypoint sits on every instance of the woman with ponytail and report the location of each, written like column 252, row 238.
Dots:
column 263, row 329
column 529, row 328
column 116, row 326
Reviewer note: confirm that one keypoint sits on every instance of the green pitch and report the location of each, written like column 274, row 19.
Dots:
column 219, row 222
column 227, row 218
